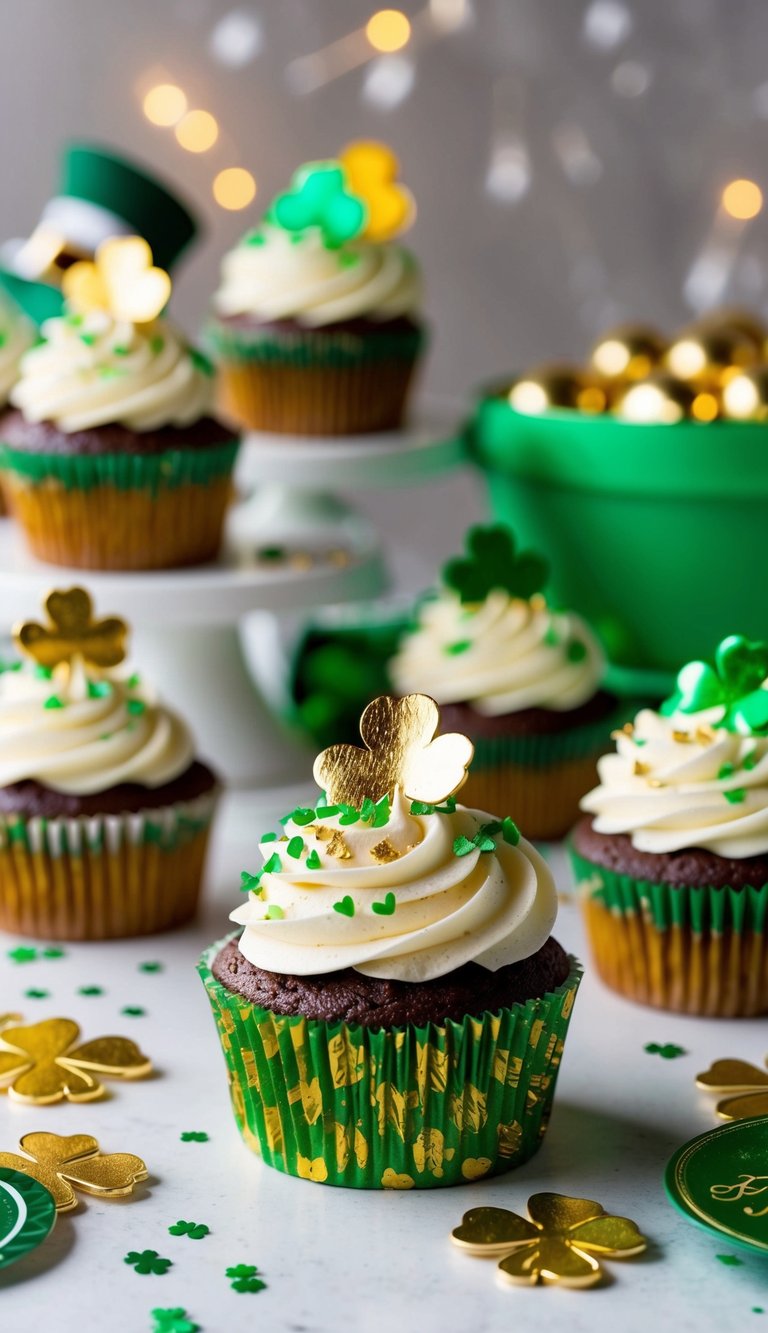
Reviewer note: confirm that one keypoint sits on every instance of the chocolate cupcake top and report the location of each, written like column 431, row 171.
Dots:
column 401, row 883
column 489, row 637
column 16, row 337
column 322, row 253
column 69, row 721
column 111, row 359
column 694, row 774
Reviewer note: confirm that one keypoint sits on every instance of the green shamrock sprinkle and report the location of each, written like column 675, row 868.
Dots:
column 736, row 796
column 120, row 350
column 52, row 951
column 386, row 908
column 730, row 1260
column 269, row 837
column 250, row 883
column 194, row 1136
column 99, row 689
column 424, row 808
column 173, row 1321
column 749, row 761
column 200, row 361
column 302, row 815
column 510, row 832
column 43, row 672
column 346, row 907
column 349, row 815
column 254, row 238
column 243, row 1278
column 23, row 953
column 348, row 259
column 313, row 861
column 53, row 701
column 493, row 562
column 90, row 990
column 34, row 994
column 551, row 638
column 273, row 865
column 156, row 344
column 462, row 845
column 151, row 967
column 725, row 771
column 667, row 1052
column 88, row 338
column 576, row 651
column 461, row 646
column 133, row 1011
column 136, row 706
column 295, row 847
column 147, row 1261
column 274, row 913
column 195, row 1230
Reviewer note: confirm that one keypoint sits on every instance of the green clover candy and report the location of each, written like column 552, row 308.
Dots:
column 733, row 683
column 318, row 198
column 493, row 561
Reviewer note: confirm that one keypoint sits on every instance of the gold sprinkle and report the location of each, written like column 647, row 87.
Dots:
column 384, row 851
column 684, row 737
column 641, row 770
column 705, row 734
column 337, row 847
column 322, row 832
column 655, row 782
column 538, row 602
column 627, row 730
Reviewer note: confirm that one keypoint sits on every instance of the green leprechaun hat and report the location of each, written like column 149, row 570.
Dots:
column 101, row 195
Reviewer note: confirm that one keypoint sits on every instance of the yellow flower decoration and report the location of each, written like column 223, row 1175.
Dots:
column 747, row 1085
column 71, row 632
column 63, row 1163
column 371, row 170
column 42, row 1063
column 401, row 752
column 121, row 280
column 561, row 1243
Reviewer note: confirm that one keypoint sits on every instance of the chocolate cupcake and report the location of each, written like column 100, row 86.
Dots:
column 394, row 1011
column 316, row 328
column 672, row 855
column 111, row 459
column 518, row 677
column 104, row 808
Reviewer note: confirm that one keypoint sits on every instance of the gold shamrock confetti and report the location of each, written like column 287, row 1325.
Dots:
column 747, row 1085
column 72, row 632
column 561, row 1244
column 42, row 1063
column 64, row 1163
column 402, row 751
column 121, row 280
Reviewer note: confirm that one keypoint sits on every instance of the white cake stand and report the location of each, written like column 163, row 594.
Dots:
column 186, row 623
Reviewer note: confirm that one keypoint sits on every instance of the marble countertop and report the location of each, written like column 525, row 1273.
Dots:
column 336, row 1258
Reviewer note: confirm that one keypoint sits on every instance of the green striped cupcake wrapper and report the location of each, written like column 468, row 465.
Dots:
column 315, row 347
column 542, row 751
column 393, row 1108
column 124, row 471
column 701, row 909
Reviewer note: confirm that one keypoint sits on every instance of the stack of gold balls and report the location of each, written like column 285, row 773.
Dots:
column 716, row 368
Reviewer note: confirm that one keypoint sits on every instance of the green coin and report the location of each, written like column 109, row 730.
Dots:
column 720, row 1181
column 27, row 1214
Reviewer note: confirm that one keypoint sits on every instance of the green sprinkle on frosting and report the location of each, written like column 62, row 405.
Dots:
column 53, row 701
column 313, row 861
column 295, row 847
column 736, row 796
column 461, row 646
column 274, row 913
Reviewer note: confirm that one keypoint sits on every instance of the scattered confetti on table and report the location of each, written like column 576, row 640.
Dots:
column 152, row 966
column 28, row 953
column 90, row 990
column 194, row 1136
column 36, row 994
column 41, row 1063
column 133, row 1011
column 667, row 1052
column 148, row 1262
column 174, row 1320
column 243, row 1277
column 64, row 1163
column 195, row 1230
column 730, row 1260
column 558, row 1245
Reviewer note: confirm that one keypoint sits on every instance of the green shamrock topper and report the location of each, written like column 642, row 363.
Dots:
column 493, row 561
column 318, row 198
column 734, row 683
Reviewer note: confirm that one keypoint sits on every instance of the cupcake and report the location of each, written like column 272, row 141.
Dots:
column 316, row 329
column 109, row 456
column 394, row 1011
column 17, row 335
column 519, row 678
column 672, row 853
column 104, row 809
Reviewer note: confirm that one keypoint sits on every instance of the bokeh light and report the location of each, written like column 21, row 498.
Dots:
column 388, row 81
column 197, row 131
column 705, row 407
column 165, row 104
column 237, row 38
column 742, row 199
column 234, row 188
column 388, row 30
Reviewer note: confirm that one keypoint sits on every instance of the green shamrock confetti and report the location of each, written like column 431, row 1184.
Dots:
column 455, row 649
column 318, row 198
column 194, row 1136
column 493, row 562
column 302, row 815
column 313, row 861
column 423, row 808
column 173, row 1321
column 151, row 967
column 34, row 994
column 735, row 796
column 99, row 689
column 90, row 990
column 147, row 1261
column 53, row 701
column 346, row 907
column 730, row 1260
column 195, row 1230
column 133, row 1011
column 733, row 683
column 274, row 913
column 243, row 1278
column 295, row 847
column 23, row 953
column 250, row 883
column 273, row 866
column 387, row 907
column 53, row 951
column 667, row 1052
column 484, row 839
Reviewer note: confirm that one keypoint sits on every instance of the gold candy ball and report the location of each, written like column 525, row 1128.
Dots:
column 734, row 317
column 708, row 355
column 660, row 399
column 630, row 352
column 745, row 396
column 555, row 385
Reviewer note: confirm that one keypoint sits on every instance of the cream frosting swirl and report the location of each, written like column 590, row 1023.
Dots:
column 93, row 370
column 80, row 736
column 502, row 655
column 684, row 781
column 273, row 274
column 16, row 337
column 491, row 907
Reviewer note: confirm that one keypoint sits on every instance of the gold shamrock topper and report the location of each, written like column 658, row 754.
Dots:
column 402, row 751
column 745, row 1084
column 121, row 280
column 66, row 1162
column 72, row 632
column 562, row 1242
column 42, row 1063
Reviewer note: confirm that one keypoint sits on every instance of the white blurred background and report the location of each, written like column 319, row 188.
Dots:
column 571, row 159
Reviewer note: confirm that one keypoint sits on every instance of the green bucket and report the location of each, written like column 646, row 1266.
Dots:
column 655, row 533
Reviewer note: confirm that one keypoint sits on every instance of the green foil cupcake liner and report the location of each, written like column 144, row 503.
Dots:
column 311, row 348
column 124, row 471
column 546, row 749
column 392, row 1108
